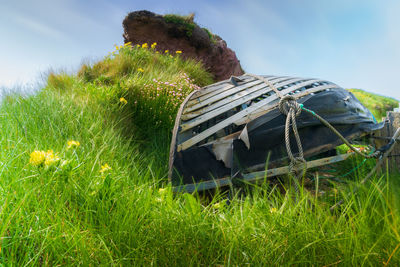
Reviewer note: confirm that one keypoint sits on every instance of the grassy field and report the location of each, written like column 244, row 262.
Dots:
column 83, row 168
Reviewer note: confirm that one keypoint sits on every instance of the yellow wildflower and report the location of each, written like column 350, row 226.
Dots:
column 178, row 52
column 72, row 144
column 145, row 45
column 273, row 210
column 170, row 56
column 105, row 168
column 37, row 157
column 166, row 51
column 123, row 101
column 153, row 45
column 51, row 158
column 128, row 44
column 140, row 69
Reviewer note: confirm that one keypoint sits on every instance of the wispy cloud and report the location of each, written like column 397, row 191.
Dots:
column 39, row 27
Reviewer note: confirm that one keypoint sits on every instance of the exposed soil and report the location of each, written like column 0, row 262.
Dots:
column 194, row 42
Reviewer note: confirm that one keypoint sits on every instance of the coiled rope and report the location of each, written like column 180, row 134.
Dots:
column 288, row 106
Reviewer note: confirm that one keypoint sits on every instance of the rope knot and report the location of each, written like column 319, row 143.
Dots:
column 298, row 166
column 288, row 103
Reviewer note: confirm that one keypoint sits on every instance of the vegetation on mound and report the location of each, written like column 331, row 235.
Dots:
column 83, row 172
column 184, row 21
column 144, row 86
column 187, row 22
column 377, row 104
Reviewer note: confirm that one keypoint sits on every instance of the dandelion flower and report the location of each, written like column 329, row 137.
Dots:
column 123, row 101
column 37, row 157
column 128, row 44
column 50, row 158
column 72, row 144
column 178, row 52
column 273, row 210
column 105, row 168
column 145, row 45
column 140, row 70
column 153, row 45
column 166, row 51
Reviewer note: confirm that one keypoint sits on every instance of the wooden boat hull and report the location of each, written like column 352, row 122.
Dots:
column 234, row 127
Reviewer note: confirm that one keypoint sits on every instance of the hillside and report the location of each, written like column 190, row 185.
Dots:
column 83, row 182
column 377, row 104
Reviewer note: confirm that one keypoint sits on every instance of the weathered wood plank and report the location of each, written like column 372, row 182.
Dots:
column 200, row 96
column 225, row 101
column 227, row 90
column 200, row 119
column 267, row 108
column 175, row 133
column 217, row 86
column 211, row 86
column 197, row 98
column 200, row 101
column 254, row 176
column 190, row 188
column 238, row 116
column 229, row 96
column 207, row 93
column 257, row 176
column 392, row 123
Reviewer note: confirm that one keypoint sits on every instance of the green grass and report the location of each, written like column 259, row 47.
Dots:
column 377, row 104
column 71, row 213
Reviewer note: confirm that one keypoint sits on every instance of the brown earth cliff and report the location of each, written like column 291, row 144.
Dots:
column 174, row 33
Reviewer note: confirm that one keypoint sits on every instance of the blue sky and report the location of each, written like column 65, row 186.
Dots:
column 355, row 44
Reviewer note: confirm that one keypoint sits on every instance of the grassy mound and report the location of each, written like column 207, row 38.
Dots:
column 377, row 104
column 82, row 182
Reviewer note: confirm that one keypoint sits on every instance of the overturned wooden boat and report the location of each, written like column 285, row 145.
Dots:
column 232, row 128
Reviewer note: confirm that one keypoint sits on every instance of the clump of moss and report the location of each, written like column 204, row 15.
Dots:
column 187, row 22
